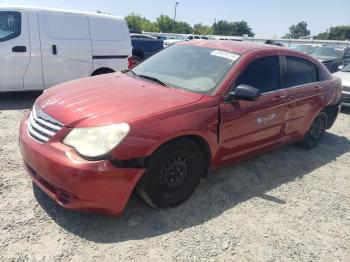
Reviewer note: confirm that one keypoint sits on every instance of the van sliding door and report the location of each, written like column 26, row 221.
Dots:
column 65, row 47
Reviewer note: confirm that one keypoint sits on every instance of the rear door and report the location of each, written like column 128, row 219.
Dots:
column 65, row 46
column 305, row 94
column 252, row 126
column 14, row 49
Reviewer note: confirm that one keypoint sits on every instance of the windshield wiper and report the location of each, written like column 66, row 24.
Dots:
column 129, row 71
column 154, row 79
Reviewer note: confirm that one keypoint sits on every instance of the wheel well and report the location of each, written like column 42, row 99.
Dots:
column 201, row 143
column 138, row 52
column 332, row 113
column 102, row 70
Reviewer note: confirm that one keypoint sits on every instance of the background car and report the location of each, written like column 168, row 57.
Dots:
column 332, row 56
column 172, row 40
column 344, row 75
column 272, row 42
column 307, row 48
column 143, row 46
column 41, row 47
column 142, row 36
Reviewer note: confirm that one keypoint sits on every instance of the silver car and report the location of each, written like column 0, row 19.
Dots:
column 344, row 74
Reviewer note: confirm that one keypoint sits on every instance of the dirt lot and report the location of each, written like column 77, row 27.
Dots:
column 288, row 205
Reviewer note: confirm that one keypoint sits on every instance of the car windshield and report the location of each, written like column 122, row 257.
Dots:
column 346, row 68
column 193, row 68
column 329, row 51
column 307, row 48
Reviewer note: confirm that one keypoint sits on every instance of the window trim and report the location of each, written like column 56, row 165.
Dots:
column 15, row 34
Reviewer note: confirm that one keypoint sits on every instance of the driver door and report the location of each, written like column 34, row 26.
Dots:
column 249, row 127
column 14, row 49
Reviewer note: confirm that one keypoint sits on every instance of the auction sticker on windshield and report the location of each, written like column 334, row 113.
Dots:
column 227, row 55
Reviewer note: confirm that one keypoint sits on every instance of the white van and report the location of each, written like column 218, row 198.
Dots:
column 42, row 47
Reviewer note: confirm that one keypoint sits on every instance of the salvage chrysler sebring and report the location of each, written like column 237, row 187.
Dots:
column 158, row 128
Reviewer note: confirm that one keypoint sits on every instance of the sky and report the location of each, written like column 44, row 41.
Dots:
column 267, row 18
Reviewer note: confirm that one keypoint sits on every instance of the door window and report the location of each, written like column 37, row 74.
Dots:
column 10, row 25
column 262, row 73
column 299, row 71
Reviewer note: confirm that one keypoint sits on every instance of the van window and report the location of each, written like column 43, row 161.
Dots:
column 65, row 26
column 299, row 71
column 10, row 25
column 106, row 29
column 262, row 73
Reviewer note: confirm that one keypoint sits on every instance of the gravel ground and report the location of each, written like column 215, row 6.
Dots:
column 287, row 205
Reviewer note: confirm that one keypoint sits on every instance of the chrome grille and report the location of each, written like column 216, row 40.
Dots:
column 41, row 126
column 346, row 88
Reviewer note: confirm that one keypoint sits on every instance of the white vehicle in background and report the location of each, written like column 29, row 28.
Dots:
column 172, row 40
column 42, row 47
column 344, row 75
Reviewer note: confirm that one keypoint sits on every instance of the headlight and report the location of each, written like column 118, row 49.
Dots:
column 93, row 142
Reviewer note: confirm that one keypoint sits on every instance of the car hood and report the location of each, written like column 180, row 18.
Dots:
column 109, row 99
column 344, row 76
column 323, row 59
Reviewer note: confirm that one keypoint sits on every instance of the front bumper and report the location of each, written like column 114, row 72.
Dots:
column 73, row 182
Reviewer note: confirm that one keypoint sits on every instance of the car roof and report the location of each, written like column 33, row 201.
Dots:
column 237, row 47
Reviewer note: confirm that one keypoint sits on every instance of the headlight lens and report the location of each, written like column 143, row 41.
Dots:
column 93, row 142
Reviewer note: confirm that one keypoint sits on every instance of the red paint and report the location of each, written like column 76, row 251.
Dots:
column 156, row 115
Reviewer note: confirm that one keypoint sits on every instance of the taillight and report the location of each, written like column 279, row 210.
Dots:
column 131, row 62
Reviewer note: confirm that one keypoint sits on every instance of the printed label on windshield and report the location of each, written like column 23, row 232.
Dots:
column 227, row 55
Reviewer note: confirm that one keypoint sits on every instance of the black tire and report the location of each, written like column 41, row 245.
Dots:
column 102, row 71
column 173, row 174
column 314, row 135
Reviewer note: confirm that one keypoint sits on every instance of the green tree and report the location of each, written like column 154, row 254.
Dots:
column 136, row 22
column 322, row 36
column 200, row 29
column 166, row 24
column 339, row 33
column 182, row 28
column 224, row 27
column 297, row 31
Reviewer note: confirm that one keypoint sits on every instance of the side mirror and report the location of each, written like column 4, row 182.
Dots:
column 243, row 92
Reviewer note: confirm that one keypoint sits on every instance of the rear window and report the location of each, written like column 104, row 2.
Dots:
column 10, row 25
column 299, row 71
column 65, row 26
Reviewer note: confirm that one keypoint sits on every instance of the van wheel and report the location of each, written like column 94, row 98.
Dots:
column 173, row 174
column 102, row 71
column 314, row 135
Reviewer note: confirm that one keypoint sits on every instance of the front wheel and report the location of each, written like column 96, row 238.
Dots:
column 314, row 135
column 173, row 174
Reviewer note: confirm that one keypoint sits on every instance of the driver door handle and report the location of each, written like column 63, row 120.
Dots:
column 278, row 97
column 19, row 49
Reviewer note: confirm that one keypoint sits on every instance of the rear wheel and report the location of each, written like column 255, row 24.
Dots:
column 315, row 133
column 173, row 174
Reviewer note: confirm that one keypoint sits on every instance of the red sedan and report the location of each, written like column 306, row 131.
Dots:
column 160, row 127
